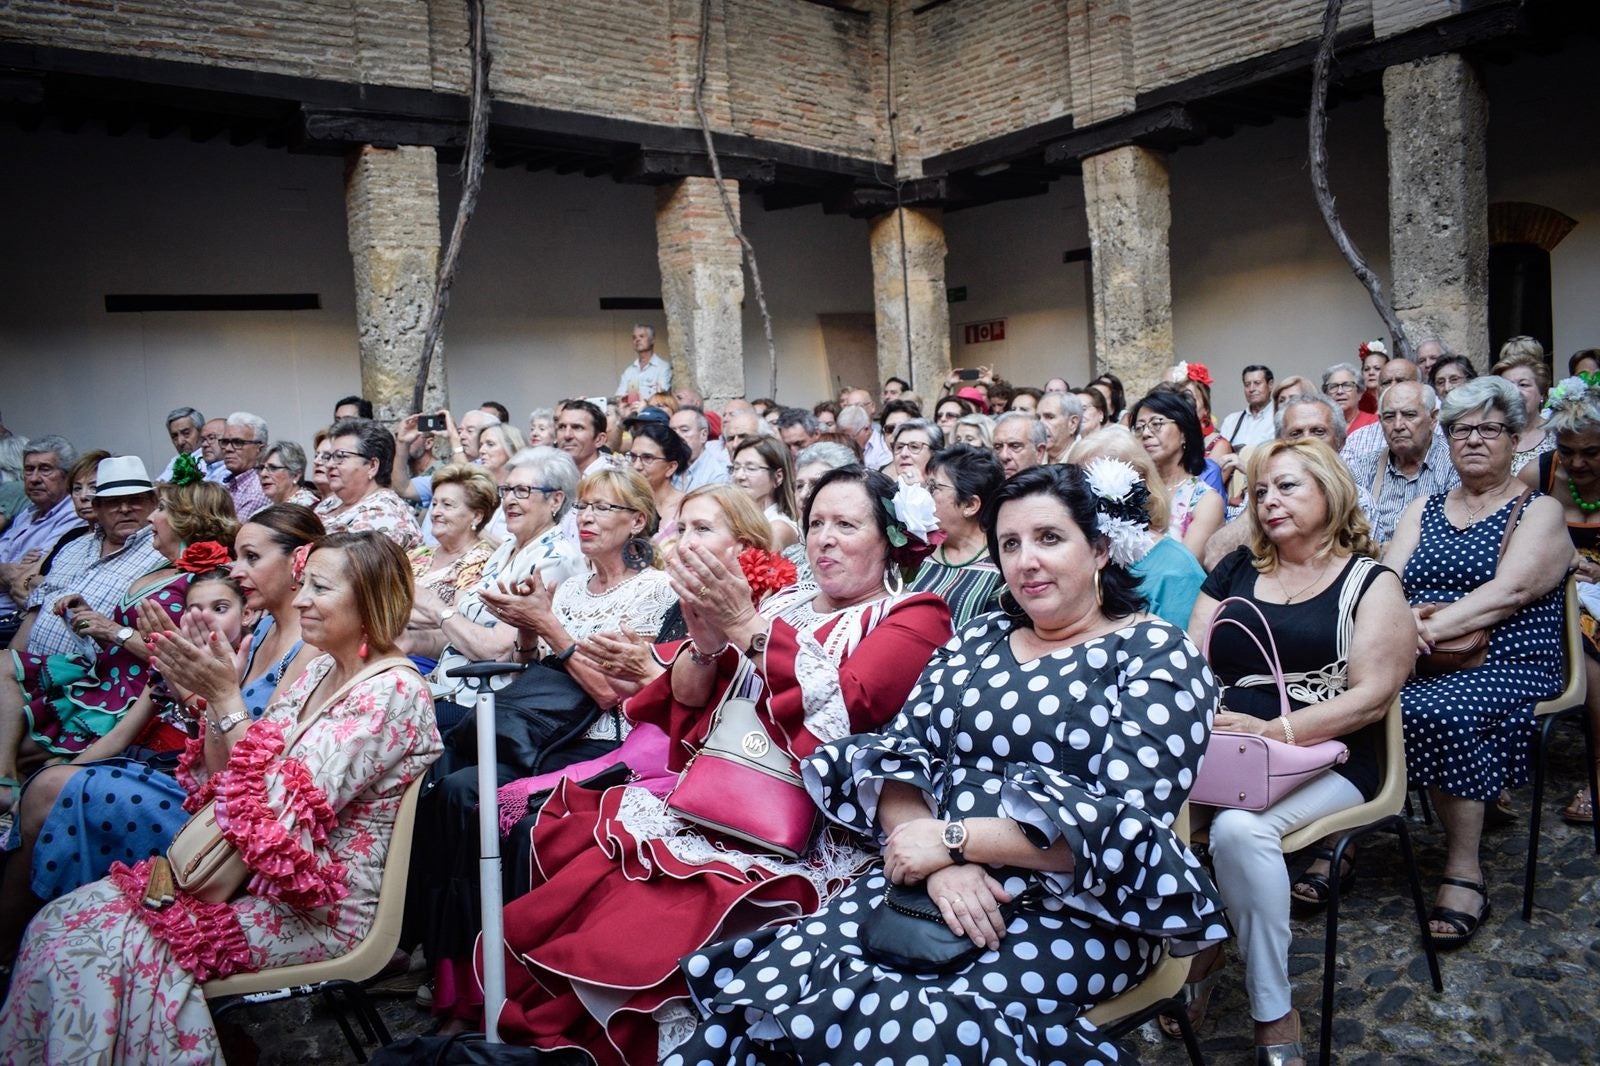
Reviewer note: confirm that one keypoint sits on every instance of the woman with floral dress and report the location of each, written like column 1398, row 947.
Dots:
column 105, row 977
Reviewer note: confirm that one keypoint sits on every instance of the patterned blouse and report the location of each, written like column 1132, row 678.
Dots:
column 450, row 581
column 379, row 511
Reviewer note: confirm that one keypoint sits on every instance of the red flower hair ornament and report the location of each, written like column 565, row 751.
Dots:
column 202, row 556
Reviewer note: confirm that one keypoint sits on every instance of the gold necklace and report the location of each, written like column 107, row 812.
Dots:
column 1474, row 512
column 1289, row 597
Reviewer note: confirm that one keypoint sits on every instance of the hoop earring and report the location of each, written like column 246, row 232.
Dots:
column 1099, row 595
column 1009, row 605
column 638, row 553
column 894, row 582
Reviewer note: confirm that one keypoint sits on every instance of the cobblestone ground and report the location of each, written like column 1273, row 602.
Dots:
column 1519, row 993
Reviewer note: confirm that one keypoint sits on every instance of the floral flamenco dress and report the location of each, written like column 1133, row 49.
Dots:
column 1095, row 745
column 103, row 978
column 622, row 887
column 72, row 701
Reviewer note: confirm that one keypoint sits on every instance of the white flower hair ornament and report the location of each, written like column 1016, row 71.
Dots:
column 915, row 531
column 1120, row 494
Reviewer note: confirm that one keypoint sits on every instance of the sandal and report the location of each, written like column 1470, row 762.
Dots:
column 1500, row 812
column 1195, row 997
column 1282, row 1054
column 1580, row 811
column 1465, row 925
column 1309, row 893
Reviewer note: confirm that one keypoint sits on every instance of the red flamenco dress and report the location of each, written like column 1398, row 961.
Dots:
column 623, row 888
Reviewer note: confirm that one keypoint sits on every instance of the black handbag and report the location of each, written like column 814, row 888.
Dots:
column 540, row 712
column 908, row 933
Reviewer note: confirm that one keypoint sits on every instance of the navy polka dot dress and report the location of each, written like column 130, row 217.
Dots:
column 1095, row 745
column 1467, row 732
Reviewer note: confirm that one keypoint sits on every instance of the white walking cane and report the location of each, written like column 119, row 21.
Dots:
column 480, row 676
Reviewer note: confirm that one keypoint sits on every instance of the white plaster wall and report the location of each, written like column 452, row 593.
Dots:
column 89, row 215
column 1008, row 256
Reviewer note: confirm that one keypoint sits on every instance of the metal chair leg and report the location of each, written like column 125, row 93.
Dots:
column 1191, row 1043
column 1594, row 786
column 344, row 1024
column 1410, row 858
column 1541, row 750
column 1330, row 948
column 380, row 1031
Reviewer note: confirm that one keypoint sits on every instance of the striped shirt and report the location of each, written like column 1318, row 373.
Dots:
column 1392, row 491
column 102, row 582
column 969, row 590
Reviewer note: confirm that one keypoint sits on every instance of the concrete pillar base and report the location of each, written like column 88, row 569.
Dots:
column 1127, row 199
column 702, row 286
column 911, row 284
column 392, row 211
column 1436, row 114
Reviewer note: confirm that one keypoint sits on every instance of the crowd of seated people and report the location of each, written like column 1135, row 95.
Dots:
column 970, row 623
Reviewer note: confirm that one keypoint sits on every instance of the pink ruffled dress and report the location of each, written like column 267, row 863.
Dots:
column 103, row 978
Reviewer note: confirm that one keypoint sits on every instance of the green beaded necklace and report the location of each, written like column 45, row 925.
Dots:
column 1586, row 506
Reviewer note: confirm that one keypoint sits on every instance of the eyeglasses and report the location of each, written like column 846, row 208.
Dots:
column 912, row 446
column 1485, row 430
column 933, row 486
column 323, row 457
column 234, row 442
column 41, row 469
column 338, row 456
column 749, row 468
column 523, row 492
column 640, row 457
column 1151, row 425
column 601, row 509
column 271, row 468
column 1341, row 386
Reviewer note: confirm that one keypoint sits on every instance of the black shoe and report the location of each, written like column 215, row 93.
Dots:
column 1309, row 893
column 1465, row 925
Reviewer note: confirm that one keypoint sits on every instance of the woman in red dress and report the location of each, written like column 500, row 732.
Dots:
column 623, row 887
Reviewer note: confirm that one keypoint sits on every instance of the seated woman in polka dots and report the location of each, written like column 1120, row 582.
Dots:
column 1467, row 732
column 1344, row 637
column 1055, row 744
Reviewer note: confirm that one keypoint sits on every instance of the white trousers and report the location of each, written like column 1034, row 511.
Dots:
column 1247, row 855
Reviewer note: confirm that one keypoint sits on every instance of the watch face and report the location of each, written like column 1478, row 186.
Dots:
column 955, row 835
column 758, row 643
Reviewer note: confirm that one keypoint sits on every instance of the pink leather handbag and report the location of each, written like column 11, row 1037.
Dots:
column 1248, row 771
column 742, row 784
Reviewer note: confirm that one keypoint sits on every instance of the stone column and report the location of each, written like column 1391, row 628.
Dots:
column 392, row 212
column 1436, row 114
column 702, row 286
column 908, row 298
column 1126, row 198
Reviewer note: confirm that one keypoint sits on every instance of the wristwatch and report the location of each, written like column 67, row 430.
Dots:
column 446, row 614
column 758, row 644
column 226, row 724
column 125, row 634
column 955, row 840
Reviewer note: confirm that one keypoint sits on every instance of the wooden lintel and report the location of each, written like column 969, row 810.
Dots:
column 342, row 128
column 1162, row 127
column 650, row 167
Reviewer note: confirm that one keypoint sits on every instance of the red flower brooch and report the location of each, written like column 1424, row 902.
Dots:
column 765, row 572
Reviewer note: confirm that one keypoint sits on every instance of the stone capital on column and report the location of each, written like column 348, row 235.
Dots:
column 1436, row 113
column 1126, row 194
column 392, row 213
column 909, row 300
column 702, row 286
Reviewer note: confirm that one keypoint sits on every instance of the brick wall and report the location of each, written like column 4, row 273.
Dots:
column 1178, row 40
column 975, row 69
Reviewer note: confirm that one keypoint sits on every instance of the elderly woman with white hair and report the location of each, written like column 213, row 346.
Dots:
column 1487, row 557
column 1343, row 382
column 282, row 470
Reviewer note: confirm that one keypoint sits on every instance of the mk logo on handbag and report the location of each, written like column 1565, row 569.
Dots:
column 755, row 744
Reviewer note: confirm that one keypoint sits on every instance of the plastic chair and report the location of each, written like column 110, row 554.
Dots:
column 346, row 973
column 1383, row 814
column 1157, row 995
column 1571, row 702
